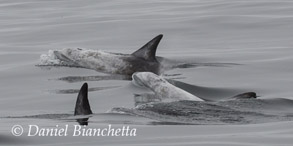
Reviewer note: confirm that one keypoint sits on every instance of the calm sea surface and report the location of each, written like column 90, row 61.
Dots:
column 253, row 36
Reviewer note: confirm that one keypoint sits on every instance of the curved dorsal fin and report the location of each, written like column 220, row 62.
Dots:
column 148, row 51
column 245, row 95
column 82, row 106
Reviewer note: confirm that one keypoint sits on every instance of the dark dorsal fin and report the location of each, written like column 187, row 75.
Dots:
column 148, row 51
column 246, row 95
column 82, row 106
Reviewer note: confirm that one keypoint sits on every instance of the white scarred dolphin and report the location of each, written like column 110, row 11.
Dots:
column 162, row 88
column 173, row 91
column 144, row 59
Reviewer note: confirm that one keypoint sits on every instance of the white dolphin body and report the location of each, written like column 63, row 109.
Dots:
column 92, row 59
column 162, row 88
column 144, row 59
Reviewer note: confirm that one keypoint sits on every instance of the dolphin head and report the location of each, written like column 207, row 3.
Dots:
column 146, row 79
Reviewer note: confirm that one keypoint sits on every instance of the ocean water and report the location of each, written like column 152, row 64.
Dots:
column 237, row 45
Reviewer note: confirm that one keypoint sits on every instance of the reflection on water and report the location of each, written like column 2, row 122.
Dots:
column 73, row 91
column 67, row 117
column 191, row 65
column 83, row 121
column 73, row 79
column 44, row 116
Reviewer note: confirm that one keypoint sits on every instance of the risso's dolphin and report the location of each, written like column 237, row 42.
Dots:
column 82, row 110
column 170, row 90
column 82, row 106
column 162, row 88
column 195, row 112
column 144, row 59
column 235, row 111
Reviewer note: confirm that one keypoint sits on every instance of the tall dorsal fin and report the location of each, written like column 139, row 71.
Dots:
column 82, row 106
column 148, row 51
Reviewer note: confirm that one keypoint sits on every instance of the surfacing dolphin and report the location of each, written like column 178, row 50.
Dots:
column 144, row 59
column 234, row 111
column 163, row 90
column 171, row 90
column 244, row 111
column 179, row 112
column 82, row 110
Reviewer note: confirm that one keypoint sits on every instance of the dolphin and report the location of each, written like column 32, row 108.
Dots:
column 144, row 59
column 167, row 112
column 82, row 106
column 161, row 87
column 244, row 111
column 171, row 90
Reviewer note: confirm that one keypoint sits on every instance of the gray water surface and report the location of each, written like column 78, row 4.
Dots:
column 254, row 35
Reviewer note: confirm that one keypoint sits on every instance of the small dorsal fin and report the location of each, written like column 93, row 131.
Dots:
column 148, row 51
column 82, row 106
column 246, row 95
